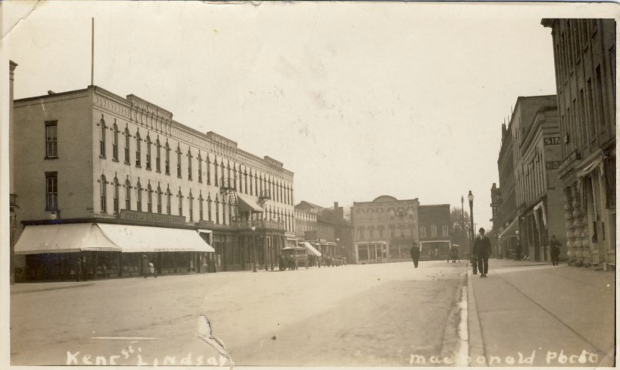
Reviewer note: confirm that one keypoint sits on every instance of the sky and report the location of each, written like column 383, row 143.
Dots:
column 359, row 100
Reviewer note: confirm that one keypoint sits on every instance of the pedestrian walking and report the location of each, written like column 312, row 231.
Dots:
column 152, row 269
column 519, row 249
column 78, row 269
column 145, row 266
column 415, row 254
column 482, row 246
column 554, row 245
column 473, row 259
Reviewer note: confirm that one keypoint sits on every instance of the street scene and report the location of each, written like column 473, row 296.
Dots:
column 367, row 315
column 309, row 184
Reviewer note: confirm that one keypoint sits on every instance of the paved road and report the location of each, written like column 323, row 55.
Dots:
column 369, row 315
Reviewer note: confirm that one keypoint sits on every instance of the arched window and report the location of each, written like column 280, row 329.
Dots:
column 215, row 168
column 148, row 152
column 199, row 168
column 222, row 167
column 127, row 146
column 422, row 231
column 168, row 201
column 149, row 199
column 209, row 206
column 139, row 197
column 180, row 195
column 138, row 149
column 179, row 161
column 102, row 138
column 208, row 170
column 127, row 195
column 190, row 199
column 158, row 199
column 251, row 187
column 115, row 143
column 433, row 230
column 200, row 207
column 167, row 159
column 158, row 156
column 116, row 195
column 103, row 194
column 189, row 165
column 217, row 210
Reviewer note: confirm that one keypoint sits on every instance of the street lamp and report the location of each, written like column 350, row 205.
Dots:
column 463, row 224
column 254, row 248
column 470, row 197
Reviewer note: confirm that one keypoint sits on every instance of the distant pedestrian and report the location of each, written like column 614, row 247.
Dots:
column 152, row 270
column 415, row 254
column 84, row 269
column 473, row 259
column 454, row 254
column 554, row 245
column 145, row 266
column 78, row 269
column 519, row 248
column 482, row 246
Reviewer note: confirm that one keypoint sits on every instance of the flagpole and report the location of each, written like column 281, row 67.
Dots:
column 92, row 56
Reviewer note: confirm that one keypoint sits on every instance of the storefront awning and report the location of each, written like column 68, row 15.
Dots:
column 511, row 229
column 248, row 204
column 311, row 249
column 65, row 238
column 591, row 167
column 154, row 239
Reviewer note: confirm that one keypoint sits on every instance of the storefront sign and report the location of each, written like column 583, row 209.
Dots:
column 553, row 165
column 151, row 217
column 551, row 140
column 572, row 157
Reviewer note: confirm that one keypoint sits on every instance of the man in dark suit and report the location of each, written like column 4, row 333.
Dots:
column 482, row 246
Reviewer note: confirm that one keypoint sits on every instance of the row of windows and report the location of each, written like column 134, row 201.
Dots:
column 531, row 180
column 248, row 182
column 258, row 183
column 380, row 232
column 583, row 115
column 444, row 231
column 158, row 196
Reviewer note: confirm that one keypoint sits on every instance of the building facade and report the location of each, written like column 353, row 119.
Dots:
column 384, row 229
column 507, row 208
column 585, row 72
column 496, row 201
column 13, row 198
column 539, row 193
column 91, row 156
column 435, row 231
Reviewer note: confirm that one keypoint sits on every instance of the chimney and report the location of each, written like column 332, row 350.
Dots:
column 335, row 205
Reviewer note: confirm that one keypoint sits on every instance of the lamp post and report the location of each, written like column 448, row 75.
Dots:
column 253, row 249
column 463, row 224
column 470, row 197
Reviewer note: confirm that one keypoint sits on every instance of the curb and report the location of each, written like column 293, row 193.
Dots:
column 476, row 343
column 43, row 289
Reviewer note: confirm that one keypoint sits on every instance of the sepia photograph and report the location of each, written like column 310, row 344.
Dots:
column 312, row 184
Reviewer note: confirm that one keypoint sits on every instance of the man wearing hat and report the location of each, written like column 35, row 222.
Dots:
column 482, row 246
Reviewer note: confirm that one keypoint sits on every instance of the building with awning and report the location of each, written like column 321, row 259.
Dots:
column 311, row 249
column 587, row 140
column 118, row 247
column 145, row 183
column 247, row 204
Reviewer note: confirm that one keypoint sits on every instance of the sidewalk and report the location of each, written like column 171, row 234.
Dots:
column 535, row 314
